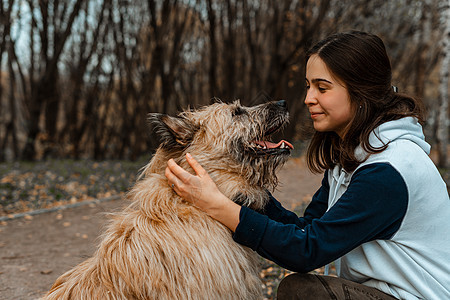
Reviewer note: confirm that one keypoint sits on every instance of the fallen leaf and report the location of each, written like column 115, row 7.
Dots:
column 46, row 272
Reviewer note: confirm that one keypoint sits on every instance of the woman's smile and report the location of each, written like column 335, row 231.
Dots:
column 315, row 115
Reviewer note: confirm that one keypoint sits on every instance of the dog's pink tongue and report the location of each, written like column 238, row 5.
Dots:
column 270, row 145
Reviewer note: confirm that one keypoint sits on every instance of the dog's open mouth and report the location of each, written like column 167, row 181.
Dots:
column 265, row 147
column 269, row 148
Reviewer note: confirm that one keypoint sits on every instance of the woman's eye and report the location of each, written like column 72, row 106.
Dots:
column 321, row 89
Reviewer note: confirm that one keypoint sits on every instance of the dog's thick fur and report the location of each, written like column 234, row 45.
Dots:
column 161, row 247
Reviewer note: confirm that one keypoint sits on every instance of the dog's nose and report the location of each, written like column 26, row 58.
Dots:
column 282, row 103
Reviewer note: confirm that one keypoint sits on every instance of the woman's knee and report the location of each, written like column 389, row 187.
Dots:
column 300, row 286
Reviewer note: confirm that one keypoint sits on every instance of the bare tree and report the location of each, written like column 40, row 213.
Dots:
column 443, row 117
column 8, row 121
column 52, row 26
column 86, row 42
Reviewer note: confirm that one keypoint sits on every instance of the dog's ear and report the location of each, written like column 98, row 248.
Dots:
column 173, row 131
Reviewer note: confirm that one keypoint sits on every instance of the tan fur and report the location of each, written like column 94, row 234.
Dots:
column 161, row 247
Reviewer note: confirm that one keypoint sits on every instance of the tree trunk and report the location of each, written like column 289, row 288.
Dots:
column 443, row 117
column 213, row 51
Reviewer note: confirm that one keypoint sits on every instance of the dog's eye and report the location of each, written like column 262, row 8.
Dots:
column 238, row 111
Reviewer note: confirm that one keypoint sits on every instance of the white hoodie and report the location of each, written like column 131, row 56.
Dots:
column 422, row 243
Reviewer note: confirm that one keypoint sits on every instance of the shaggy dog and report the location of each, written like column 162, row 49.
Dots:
column 160, row 246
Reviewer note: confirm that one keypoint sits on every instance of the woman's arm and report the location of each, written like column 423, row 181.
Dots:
column 373, row 207
column 202, row 192
column 316, row 208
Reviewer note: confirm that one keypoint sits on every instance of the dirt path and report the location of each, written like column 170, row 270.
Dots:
column 34, row 251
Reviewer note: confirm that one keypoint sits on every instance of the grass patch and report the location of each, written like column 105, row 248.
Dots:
column 34, row 185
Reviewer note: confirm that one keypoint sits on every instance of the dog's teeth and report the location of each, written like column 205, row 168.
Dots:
column 259, row 146
column 283, row 145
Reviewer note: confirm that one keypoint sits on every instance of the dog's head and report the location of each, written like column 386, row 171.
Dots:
column 229, row 138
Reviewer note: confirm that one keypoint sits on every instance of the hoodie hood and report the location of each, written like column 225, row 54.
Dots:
column 407, row 128
column 402, row 129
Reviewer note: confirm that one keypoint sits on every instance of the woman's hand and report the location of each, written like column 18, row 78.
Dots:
column 202, row 192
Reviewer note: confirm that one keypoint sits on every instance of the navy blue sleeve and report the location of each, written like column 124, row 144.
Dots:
column 316, row 208
column 372, row 208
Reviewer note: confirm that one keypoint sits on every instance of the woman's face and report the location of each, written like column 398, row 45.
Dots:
column 327, row 98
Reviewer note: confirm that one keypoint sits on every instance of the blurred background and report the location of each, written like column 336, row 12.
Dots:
column 79, row 77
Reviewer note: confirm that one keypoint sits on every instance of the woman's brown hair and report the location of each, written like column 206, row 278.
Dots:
column 359, row 60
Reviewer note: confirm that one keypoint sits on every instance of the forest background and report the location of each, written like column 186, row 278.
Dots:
column 79, row 77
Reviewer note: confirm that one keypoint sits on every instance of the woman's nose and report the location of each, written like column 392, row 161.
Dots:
column 310, row 98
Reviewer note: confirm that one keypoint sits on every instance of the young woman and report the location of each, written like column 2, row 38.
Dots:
column 382, row 213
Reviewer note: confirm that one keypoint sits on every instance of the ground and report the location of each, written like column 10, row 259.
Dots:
column 36, row 249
